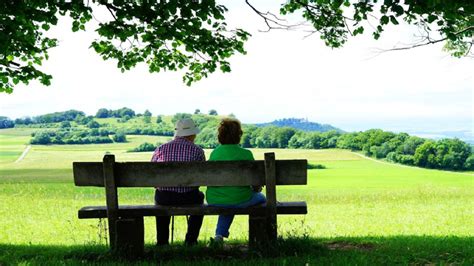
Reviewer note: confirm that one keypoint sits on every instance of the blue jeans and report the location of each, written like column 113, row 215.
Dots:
column 224, row 221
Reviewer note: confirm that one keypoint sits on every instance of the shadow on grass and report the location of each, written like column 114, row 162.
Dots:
column 290, row 251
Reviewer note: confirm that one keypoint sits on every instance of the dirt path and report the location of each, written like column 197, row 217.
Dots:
column 382, row 162
column 27, row 149
column 401, row 165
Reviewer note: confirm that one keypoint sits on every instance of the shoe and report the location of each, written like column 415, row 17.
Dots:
column 162, row 243
column 217, row 241
column 190, row 243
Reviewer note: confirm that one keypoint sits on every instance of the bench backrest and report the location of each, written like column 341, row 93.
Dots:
column 211, row 173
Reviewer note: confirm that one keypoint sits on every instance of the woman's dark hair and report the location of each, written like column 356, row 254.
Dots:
column 229, row 131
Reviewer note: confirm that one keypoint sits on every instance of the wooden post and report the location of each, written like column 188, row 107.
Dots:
column 257, row 231
column 270, row 181
column 111, row 197
column 130, row 239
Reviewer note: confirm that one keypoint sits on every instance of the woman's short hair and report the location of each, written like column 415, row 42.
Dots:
column 229, row 131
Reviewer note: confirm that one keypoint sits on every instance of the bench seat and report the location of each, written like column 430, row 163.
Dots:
column 128, row 211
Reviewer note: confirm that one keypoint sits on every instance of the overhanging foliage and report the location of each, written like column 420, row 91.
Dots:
column 193, row 35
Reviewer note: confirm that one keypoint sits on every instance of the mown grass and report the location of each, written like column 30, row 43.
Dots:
column 360, row 212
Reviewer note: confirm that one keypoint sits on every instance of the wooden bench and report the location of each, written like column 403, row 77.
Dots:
column 126, row 230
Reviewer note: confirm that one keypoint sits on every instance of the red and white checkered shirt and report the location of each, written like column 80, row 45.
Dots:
column 178, row 150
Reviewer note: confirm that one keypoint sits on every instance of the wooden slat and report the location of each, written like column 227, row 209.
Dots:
column 158, row 210
column 111, row 196
column 271, row 215
column 214, row 173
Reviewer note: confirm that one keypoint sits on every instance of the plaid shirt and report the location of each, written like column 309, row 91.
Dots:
column 178, row 150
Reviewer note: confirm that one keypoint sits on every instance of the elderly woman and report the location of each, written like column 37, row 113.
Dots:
column 229, row 134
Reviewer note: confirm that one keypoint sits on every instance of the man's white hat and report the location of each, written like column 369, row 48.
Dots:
column 185, row 127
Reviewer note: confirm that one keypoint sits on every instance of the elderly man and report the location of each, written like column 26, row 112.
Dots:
column 182, row 149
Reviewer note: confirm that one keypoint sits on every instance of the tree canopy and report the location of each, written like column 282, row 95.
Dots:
column 193, row 35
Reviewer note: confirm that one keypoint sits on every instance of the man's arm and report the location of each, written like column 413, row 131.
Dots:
column 202, row 156
column 157, row 156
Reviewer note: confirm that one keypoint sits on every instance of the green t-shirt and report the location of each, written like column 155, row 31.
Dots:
column 229, row 195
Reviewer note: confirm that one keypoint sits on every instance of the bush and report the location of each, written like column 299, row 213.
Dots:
column 41, row 138
column 124, row 119
column 392, row 157
column 180, row 116
column 406, row 159
column 159, row 119
column 93, row 124
column 119, row 137
column 65, row 124
column 144, row 147
column 469, row 164
column 315, row 166
column 68, row 137
column 102, row 113
column 6, row 122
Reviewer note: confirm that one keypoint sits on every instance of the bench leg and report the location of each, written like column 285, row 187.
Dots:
column 271, row 230
column 262, row 231
column 257, row 231
column 130, row 237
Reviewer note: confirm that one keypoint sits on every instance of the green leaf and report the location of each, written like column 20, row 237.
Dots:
column 75, row 26
column 336, row 3
column 358, row 30
column 45, row 27
column 10, row 58
column 431, row 18
column 398, row 10
column 376, row 35
column 225, row 68
column 393, row 20
column 384, row 20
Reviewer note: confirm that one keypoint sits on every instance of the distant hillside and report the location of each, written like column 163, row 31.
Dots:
column 302, row 124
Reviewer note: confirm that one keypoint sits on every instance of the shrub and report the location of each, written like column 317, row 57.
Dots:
column 406, row 159
column 41, row 137
column 159, row 119
column 124, row 118
column 469, row 164
column 144, row 147
column 315, row 166
column 119, row 137
column 6, row 122
column 179, row 116
column 65, row 124
column 93, row 124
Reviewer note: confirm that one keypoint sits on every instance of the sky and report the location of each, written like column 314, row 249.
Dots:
column 284, row 74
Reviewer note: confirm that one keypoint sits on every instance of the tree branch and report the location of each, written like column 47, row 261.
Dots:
column 111, row 7
column 270, row 18
column 427, row 41
column 431, row 41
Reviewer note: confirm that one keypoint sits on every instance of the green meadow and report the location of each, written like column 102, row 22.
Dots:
column 360, row 211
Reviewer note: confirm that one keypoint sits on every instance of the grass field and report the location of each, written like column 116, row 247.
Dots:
column 360, row 212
